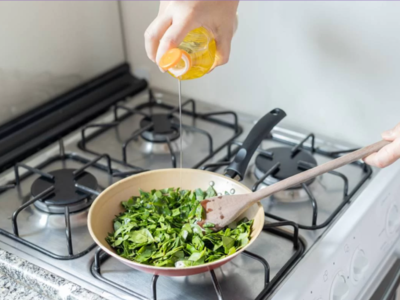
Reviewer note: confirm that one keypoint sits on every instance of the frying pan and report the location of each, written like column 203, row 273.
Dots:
column 108, row 204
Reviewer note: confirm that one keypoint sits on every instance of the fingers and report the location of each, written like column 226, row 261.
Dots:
column 223, row 51
column 391, row 134
column 223, row 42
column 386, row 156
column 174, row 36
column 163, row 6
column 153, row 34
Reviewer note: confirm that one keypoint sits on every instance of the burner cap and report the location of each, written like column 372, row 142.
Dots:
column 65, row 192
column 163, row 127
column 288, row 164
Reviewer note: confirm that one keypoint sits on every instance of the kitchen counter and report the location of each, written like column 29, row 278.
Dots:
column 12, row 290
column 22, row 280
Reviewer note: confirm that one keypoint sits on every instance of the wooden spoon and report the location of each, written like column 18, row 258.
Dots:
column 223, row 210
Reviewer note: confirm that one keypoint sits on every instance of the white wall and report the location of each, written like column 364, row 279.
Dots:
column 49, row 47
column 333, row 66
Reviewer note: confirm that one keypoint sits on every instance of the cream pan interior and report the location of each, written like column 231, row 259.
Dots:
column 108, row 205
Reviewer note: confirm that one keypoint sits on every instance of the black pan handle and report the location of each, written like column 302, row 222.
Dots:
column 260, row 131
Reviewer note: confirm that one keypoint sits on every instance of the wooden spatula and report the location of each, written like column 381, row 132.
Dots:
column 223, row 210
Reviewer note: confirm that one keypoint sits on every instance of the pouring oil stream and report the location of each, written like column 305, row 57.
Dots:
column 180, row 130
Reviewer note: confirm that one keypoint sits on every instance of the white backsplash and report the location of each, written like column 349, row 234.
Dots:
column 49, row 47
column 334, row 67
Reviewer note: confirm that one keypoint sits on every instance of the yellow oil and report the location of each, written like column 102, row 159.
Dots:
column 201, row 47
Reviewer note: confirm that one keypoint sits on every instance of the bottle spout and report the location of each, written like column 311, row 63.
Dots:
column 176, row 61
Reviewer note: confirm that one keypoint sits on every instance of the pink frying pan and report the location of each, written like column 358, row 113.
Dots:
column 108, row 203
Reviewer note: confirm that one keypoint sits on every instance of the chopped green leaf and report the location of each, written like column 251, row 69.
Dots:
column 176, row 212
column 190, row 248
column 200, row 212
column 196, row 256
column 197, row 229
column 211, row 192
column 117, row 225
column 209, row 225
column 228, row 243
column 179, row 254
column 159, row 228
column 141, row 236
column 199, row 194
column 198, row 242
column 232, row 251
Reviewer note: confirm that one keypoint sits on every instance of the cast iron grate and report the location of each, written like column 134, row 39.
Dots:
column 304, row 165
column 149, row 126
column 90, row 192
column 269, row 284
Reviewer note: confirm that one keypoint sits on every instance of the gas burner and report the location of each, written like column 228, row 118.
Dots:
column 65, row 192
column 162, row 128
column 288, row 166
column 163, row 148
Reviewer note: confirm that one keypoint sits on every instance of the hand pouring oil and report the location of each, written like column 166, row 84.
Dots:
column 193, row 58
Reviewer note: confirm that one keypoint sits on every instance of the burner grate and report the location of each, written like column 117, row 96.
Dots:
column 65, row 193
column 303, row 165
column 162, row 127
column 288, row 161
column 347, row 195
column 269, row 284
column 151, row 131
column 47, row 193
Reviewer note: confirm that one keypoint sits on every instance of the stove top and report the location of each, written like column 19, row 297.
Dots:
column 145, row 134
column 44, row 200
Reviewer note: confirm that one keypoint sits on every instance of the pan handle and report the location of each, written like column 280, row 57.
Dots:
column 260, row 131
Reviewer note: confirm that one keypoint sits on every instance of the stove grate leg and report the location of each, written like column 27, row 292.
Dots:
column 42, row 195
column 154, row 286
column 313, row 204
column 68, row 231
column 217, row 287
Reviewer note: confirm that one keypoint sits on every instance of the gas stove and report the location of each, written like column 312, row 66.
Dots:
column 44, row 200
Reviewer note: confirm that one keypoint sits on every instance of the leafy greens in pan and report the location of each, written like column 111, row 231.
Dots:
column 160, row 228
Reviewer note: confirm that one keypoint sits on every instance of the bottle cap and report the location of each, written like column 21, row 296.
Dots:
column 176, row 61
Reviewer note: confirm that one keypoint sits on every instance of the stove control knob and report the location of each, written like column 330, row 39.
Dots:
column 359, row 265
column 340, row 288
column 393, row 219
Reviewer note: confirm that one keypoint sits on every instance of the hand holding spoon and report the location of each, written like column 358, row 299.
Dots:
column 223, row 210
